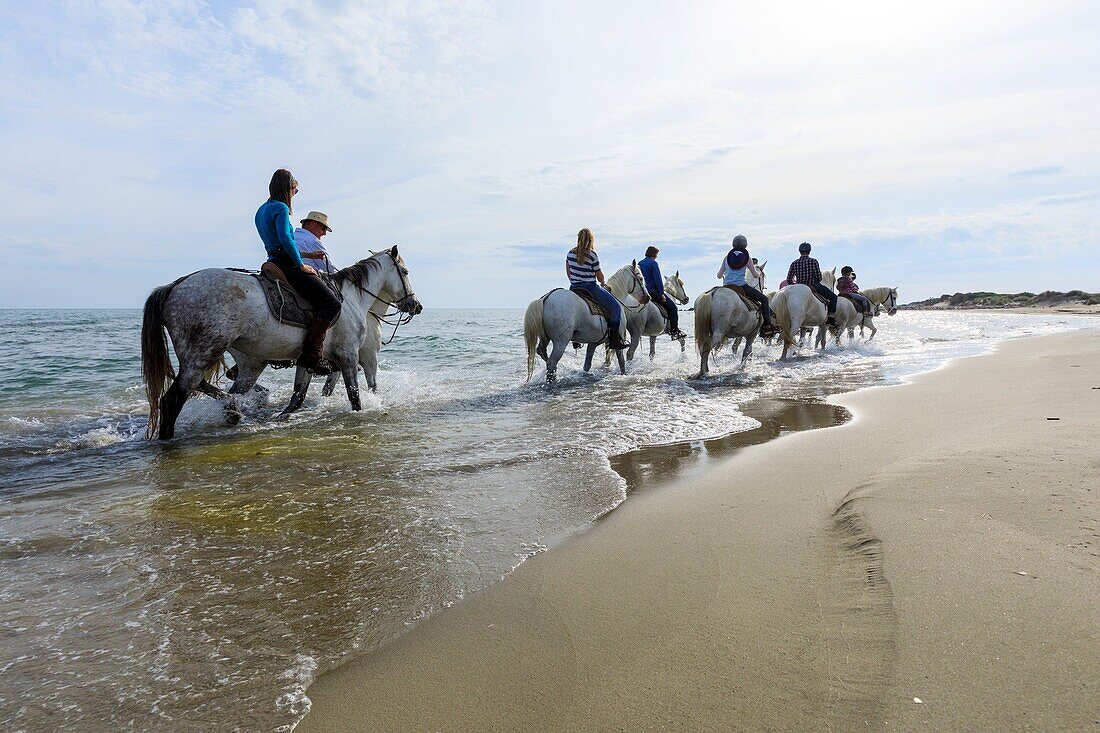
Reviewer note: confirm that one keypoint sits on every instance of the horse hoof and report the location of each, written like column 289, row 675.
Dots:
column 232, row 417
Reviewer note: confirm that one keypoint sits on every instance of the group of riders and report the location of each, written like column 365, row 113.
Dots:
column 300, row 256
column 582, row 266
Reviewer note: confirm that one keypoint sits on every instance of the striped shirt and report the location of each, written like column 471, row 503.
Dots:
column 806, row 270
column 582, row 272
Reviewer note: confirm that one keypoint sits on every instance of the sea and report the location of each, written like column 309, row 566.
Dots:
column 202, row 584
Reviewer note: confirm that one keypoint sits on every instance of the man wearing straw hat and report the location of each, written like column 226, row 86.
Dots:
column 308, row 238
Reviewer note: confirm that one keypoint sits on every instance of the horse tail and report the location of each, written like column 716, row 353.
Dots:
column 702, row 322
column 782, row 314
column 532, row 330
column 156, row 367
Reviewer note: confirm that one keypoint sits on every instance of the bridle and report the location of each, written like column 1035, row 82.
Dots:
column 400, row 316
column 892, row 299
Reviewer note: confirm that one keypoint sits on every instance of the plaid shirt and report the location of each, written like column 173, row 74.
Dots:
column 846, row 285
column 806, row 269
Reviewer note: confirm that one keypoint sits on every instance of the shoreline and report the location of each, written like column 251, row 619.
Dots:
column 693, row 604
column 1079, row 309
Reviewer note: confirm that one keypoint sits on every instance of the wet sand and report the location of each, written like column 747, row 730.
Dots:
column 941, row 546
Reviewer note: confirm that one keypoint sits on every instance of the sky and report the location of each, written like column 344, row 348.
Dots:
column 935, row 146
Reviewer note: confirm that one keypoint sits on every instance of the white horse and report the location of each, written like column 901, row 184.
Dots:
column 795, row 307
column 719, row 314
column 213, row 311
column 881, row 298
column 761, row 284
column 561, row 316
column 651, row 320
column 847, row 317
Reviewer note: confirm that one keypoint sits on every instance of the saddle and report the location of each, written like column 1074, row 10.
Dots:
column 821, row 298
column 594, row 306
column 740, row 290
column 285, row 303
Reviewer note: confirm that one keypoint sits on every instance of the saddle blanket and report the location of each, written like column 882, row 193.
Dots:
column 752, row 304
column 594, row 306
column 285, row 304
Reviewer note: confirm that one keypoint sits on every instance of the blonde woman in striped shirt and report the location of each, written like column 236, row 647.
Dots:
column 582, row 267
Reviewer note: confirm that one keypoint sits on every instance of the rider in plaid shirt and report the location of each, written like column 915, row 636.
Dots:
column 807, row 271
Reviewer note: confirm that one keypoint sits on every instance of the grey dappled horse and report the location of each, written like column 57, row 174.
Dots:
column 215, row 310
column 562, row 316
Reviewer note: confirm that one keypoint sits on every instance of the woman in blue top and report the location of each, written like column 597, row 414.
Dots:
column 732, row 272
column 582, row 267
column 277, row 233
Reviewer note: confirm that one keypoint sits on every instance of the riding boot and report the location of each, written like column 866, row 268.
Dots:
column 313, row 348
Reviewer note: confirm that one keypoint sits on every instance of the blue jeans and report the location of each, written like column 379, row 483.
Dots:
column 669, row 307
column 829, row 295
column 605, row 299
column 862, row 301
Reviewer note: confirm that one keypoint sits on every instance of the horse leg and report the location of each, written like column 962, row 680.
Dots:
column 302, row 378
column 368, row 359
column 635, row 339
column 555, row 357
column 748, row 350
column 171, row 404
column 704, row 364
column 736, row 344
column 588, row 356
column 622, row 361
column 232, row 409
column 350, row 370
column 330, row 384
column 871, row 325
column 653, row 347
column 606, row 358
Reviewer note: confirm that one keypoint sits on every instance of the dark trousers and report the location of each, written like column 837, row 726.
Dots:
column 326, row 306
column 862, row 300
column 761, row 300
column 829, row 295
column 605, row 299
column 669, row 307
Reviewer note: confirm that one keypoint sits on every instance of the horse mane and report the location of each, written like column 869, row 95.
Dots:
column 615, row 283
column 876, row 295
column 359, row 273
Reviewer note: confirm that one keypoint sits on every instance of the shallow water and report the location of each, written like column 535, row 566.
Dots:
column 201, row 584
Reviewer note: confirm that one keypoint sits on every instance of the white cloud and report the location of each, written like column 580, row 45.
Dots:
column 462, row 129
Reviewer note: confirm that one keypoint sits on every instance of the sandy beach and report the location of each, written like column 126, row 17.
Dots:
column 942, row 546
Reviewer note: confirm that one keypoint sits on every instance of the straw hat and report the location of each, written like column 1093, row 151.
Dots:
column 318, row 216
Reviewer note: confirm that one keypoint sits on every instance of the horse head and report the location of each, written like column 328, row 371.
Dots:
column 674, row 286
column 394, row 288
column 891, row 302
